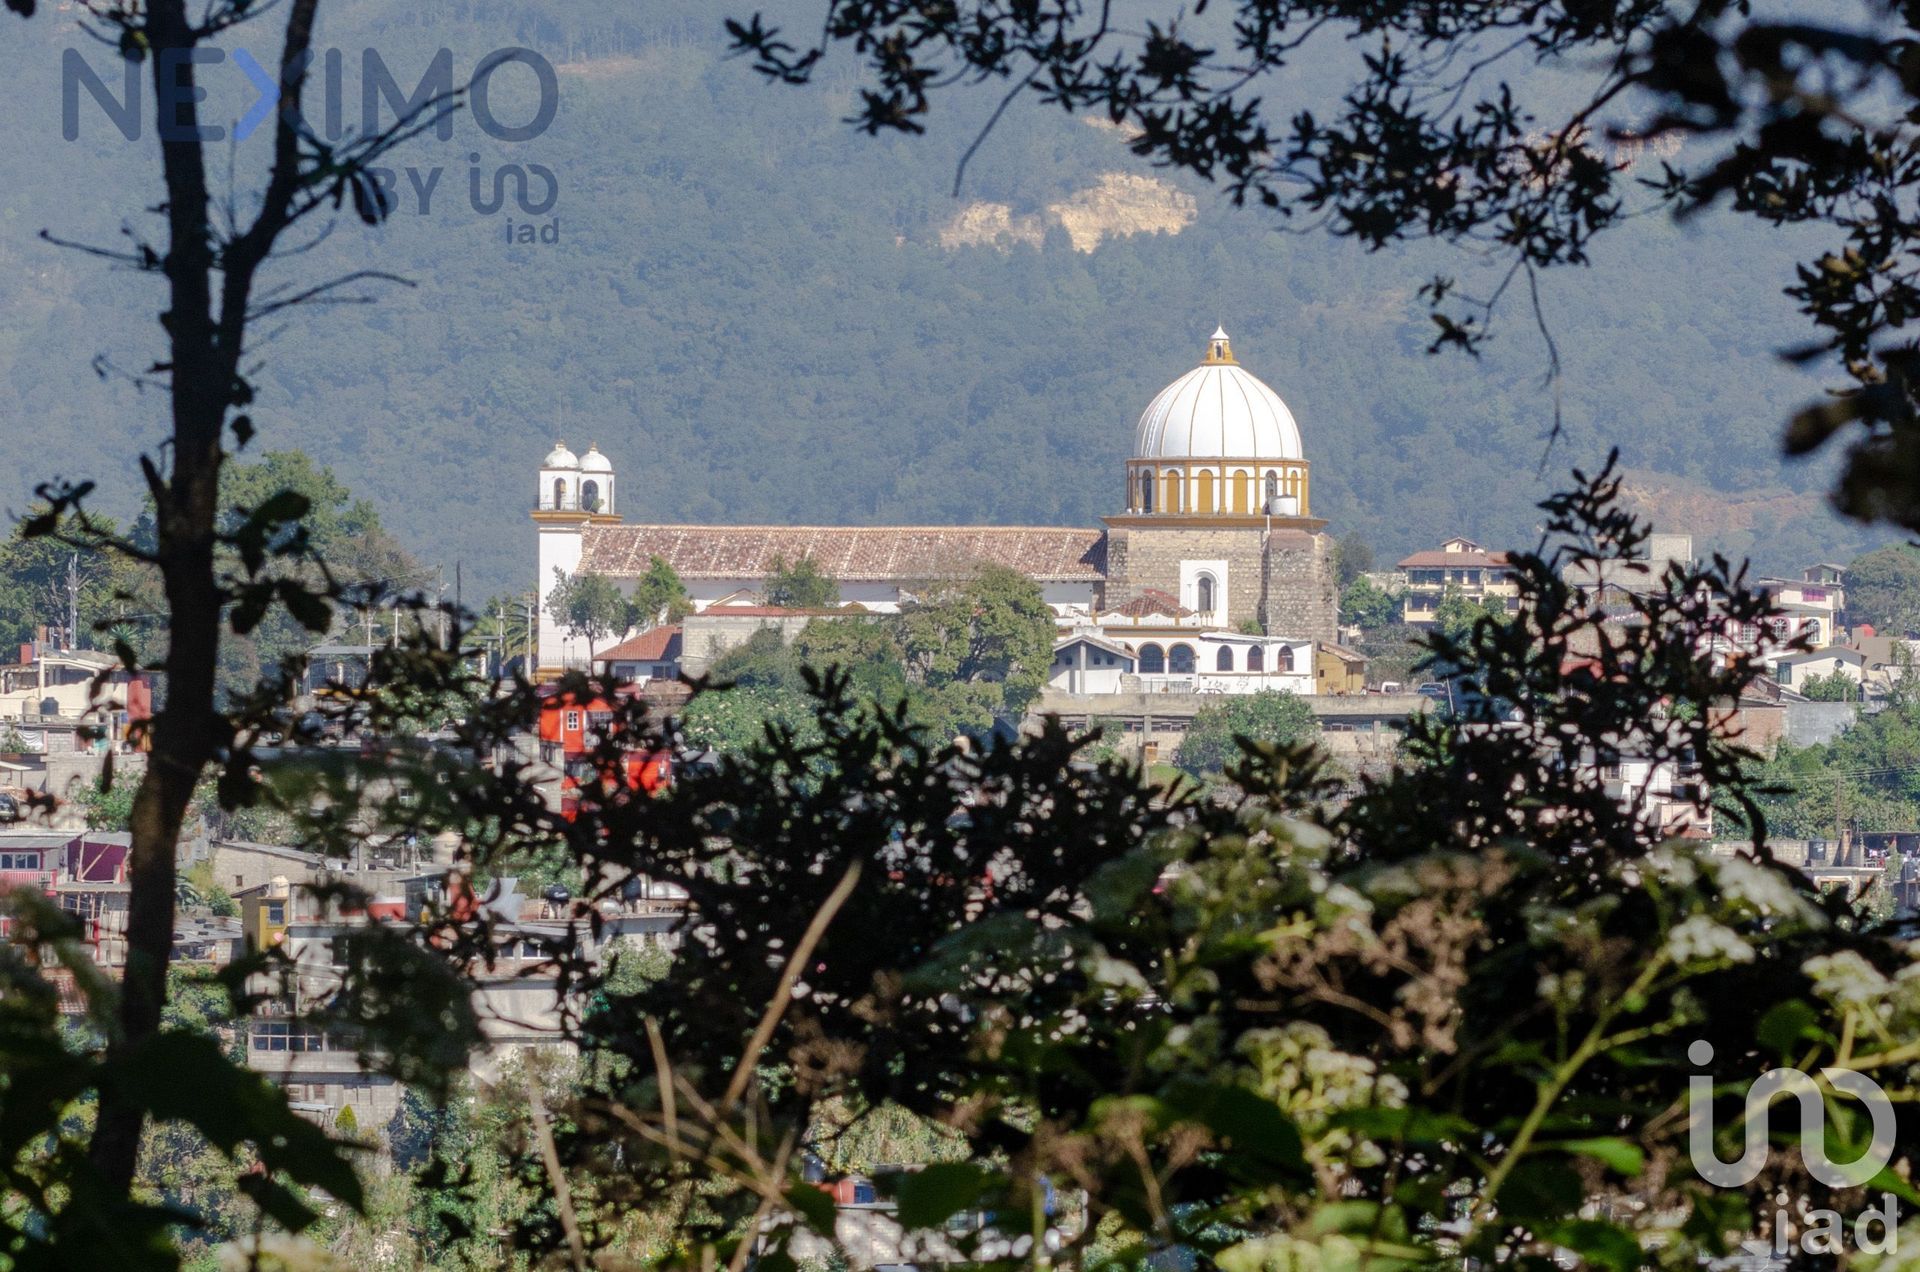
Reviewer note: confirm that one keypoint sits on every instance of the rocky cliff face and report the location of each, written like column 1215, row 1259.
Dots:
column 1117, row 205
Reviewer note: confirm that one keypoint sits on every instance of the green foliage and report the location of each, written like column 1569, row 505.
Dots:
column 1269, row 717
column 1835, row 687
column 1368, row 606
column 658, row 596
column 994, row 628
column 590, row 606
column 887, row 386
column 1352, row 557
column 108, row 807
column 1288, row 1005
column 800, row 585
column 1883, row 588
column 965, row 657
column 1457, row 614
column 35, row 574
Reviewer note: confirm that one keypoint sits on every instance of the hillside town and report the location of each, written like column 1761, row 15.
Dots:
column 1214, row 583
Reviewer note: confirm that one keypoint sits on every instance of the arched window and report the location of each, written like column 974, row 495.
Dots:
column 1180, row 660
column 1205, row 591
column 1241, row 491
column 1256, row 659
column 1204, row 502
column 1153, row 660
column 1146, row 492
column 590, row 497
column 559, row 493
column 1273, row 487
column 1285, row 660
column 1170, row 495
column 1224, row 662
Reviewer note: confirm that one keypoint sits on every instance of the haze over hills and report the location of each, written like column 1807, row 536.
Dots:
column 748, row 343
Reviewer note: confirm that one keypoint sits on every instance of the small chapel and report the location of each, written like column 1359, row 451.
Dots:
column 1215, row 533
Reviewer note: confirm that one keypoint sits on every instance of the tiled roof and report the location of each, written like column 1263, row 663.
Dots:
column 776, row 611
column 1152, row 601
column 847, row 553
column 659, row 644
column 1456, row 560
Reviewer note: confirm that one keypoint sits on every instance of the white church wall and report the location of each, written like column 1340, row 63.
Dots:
column 559, row 549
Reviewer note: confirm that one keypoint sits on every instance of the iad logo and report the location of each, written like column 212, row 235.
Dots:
column 1822, row 1231
column 1773, row 1085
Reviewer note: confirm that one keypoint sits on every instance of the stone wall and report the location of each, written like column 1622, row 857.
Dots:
column 1301, row 593
column 1140, row 558
column 1288, row 587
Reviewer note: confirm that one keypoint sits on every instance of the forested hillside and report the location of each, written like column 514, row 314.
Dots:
column 749, row 343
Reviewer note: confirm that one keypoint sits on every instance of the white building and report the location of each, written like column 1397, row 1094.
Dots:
column 1216, row 511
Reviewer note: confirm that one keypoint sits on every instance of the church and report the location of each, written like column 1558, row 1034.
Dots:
column 1215, row 531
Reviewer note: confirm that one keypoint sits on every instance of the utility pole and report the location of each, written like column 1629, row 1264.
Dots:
column 73, row 601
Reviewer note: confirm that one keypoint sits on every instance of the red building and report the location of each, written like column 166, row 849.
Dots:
column 572, row 728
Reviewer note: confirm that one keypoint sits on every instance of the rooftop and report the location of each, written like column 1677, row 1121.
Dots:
column 846, row 553
column 655, row 645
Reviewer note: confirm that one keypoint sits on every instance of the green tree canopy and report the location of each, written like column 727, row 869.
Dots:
column 992, row 628
column 1457, row 613
column 1369, row 606
column 1270, row 716
column 588, row 605
column 1883, row 588
column 659, row 596
column 1352, row 557
column 800, row 585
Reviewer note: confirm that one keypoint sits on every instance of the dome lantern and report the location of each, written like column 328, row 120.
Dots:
column 1219, row 350
column 1218, row 442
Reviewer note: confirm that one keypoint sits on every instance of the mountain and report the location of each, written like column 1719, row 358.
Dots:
column 762, row 315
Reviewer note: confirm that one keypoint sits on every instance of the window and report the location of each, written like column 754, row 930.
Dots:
column 572, row 722
column 1206, row 594
column 276, row 911
column 590, row 497
column 1272, row 487
column 1285, row 661
column 1153, row 660
column 1256, row 659
column 1180, row 660
column 1146, row 492
column 286, row 1035
column 1224, row 661
column 559, row 492
column 19, row 861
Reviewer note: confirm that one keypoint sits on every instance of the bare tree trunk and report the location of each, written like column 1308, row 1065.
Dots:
column 206, row 347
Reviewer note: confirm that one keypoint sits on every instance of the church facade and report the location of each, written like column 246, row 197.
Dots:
column 1216, row 516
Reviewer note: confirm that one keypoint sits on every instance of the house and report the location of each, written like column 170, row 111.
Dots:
column 1085, row 663
column 1459, row 567
column 1793, row 671
column 1338, row 669
column 1605, row 581
column 652, row 655
column 711, row 633
column 52, row 697
column 1812, row 603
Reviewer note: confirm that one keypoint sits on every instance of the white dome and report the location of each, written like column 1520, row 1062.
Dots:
column 560, row 457
column 594, row 462
column 1217, row 411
